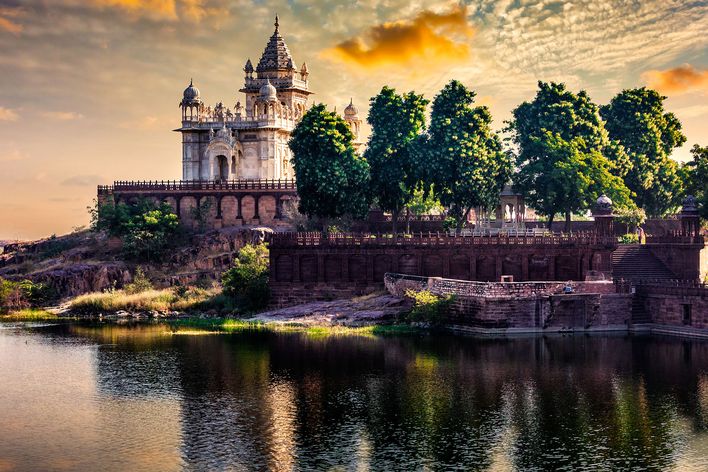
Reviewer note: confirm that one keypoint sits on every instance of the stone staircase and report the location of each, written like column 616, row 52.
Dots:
column 635, row 261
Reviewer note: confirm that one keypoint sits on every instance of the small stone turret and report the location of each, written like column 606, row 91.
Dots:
column 604, row 219
column 690, row 219
column 351, row 116
column 191, row 102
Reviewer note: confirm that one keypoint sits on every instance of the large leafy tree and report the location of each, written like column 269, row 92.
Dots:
column 564, row 157
column 637, row 119
column 696, row 178
column 396, row 123
column 467, row 165
column 332, row 180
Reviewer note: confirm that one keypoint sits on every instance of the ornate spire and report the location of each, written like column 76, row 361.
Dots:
column 276, row 55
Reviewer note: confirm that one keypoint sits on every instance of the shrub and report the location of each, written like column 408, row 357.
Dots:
column 148, row 230
column 24, row 294
column 428, row 307
column 247, row 281
column 140, row 283
column 631, row 217
column 629, row 238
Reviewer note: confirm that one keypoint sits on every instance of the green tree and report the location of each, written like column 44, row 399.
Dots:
column 637, row 119
column 332, row 180
column 696, row 178
column 396, row 122
column 148, row 235
column 467, row 165
column 247, row 281
column 565, row 158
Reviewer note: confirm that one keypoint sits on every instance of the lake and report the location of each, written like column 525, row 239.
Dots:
column 92, row 397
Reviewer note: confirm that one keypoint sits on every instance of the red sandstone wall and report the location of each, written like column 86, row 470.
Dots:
column 684, row 260
column 668, row 310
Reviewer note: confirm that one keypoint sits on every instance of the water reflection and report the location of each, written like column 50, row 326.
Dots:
column 138, row 398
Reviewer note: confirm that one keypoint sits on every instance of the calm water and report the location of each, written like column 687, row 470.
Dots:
column 93, row 398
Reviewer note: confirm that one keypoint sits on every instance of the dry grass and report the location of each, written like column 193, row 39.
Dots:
column 150, row 300
column 29, row 314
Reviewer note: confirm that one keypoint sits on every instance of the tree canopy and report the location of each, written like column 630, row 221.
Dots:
column 696, row 178
column 396, row 168
column 467, row 165
column 332, row 180
column 564, row 156
column 636, row 119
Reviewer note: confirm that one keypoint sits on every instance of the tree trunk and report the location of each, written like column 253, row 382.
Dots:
column 408, row 220
column 394, row 220
column 550, row 221
column 568, row 223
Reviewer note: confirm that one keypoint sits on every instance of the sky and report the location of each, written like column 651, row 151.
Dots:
column 89, row 89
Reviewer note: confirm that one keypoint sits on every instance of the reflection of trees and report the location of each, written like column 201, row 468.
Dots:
column 287, row 401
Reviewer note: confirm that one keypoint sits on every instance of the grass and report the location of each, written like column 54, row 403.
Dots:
column 29, row 314
column 229, row 325
column 164, row 300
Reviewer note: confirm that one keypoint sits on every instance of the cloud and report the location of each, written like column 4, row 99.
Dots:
column 82, row 180
column 678, row 80
column 8, row 114
column 62, row 115
column 156, row 9
column 428, row 39
column 12, row 155
column 171, row 10
column 7, row 17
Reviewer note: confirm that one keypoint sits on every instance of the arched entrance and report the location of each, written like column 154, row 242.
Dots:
column 222, row 168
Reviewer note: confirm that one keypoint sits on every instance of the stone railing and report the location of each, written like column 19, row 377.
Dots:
column 398, row 284
column 675, row 238
column 689, row 288
column 437, row 239
column 187, row 185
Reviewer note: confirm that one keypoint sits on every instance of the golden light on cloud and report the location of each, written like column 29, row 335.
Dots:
column 156, row 8
column 678, row 80
column 8, row 114
column 62, row 115
column 7, row 20
column 430, row 38
column 191, row 10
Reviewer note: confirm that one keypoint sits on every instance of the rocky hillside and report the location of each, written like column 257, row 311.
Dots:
column 86, row 262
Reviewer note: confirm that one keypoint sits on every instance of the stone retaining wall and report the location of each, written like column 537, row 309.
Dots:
column 530, row 306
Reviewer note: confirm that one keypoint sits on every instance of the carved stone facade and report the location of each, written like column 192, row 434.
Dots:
column 249, row 142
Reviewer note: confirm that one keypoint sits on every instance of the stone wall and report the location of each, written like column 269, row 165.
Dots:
column 212, row 205
column 526, row 305
column 688, row 260
column 348, row 265
column 681, row 306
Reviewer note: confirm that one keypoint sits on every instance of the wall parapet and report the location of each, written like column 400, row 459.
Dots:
column 288, row 239
column 398, row 284
column 192, row 185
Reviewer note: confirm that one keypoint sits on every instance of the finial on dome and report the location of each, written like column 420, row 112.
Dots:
column 277, row 23
column 191, row 82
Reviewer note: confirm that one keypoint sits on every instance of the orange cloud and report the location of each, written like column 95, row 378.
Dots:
column 62, row 115
column 428, row 38
column 163, row 9
column 678, row 80
column 7, row 23
column 8, row 114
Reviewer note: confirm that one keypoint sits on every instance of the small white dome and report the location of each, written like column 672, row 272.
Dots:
column 268, row 92
column 604, row 201
column 191, row 93
column 351, row 110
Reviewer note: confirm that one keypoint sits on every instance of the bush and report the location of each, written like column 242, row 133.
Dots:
column 24, row 294
column 631, row 217
column 148, row 230
column 247, row 281
column 629, row 238
column 139, row 284
column 428, row 307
